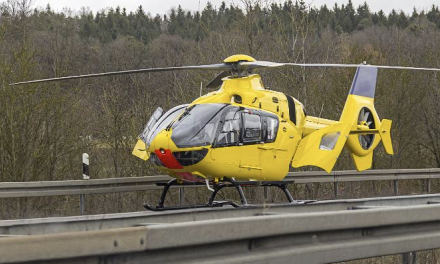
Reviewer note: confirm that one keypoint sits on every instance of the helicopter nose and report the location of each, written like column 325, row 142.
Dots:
column 162, row 150
column 167, row 158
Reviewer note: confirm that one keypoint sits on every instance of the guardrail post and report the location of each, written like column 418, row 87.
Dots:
column 86, row 176
column 409, row 258
column 81, row 203
column 266, row 193
column 428, row 185
column 181, row 196
column 335, row 189
column 396, row 187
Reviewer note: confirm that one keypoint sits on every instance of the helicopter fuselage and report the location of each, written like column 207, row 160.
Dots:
column 241, row 131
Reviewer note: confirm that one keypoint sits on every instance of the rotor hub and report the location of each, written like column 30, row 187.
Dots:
column 238, row 58
column 236, row 71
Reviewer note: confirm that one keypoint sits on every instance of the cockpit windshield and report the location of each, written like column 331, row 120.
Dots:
column 153, row 129
column 197, row 126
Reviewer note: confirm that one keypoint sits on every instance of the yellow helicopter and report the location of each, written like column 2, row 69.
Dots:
column 243, row 134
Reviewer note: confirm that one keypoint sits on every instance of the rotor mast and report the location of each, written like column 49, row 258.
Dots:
column 241, row 79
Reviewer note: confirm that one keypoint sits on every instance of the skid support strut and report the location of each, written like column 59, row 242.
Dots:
column 226, row 182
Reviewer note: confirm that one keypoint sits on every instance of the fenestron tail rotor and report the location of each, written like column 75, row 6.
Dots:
column 235, row 66
column 366, row 119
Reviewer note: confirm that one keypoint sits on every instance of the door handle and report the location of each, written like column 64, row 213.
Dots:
column 250, row 167
column 271, row 148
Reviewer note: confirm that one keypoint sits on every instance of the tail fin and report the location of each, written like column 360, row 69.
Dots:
column 366, row 128
column 384, row 132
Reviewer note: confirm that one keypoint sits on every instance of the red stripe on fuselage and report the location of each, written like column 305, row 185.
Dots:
column 168, row 160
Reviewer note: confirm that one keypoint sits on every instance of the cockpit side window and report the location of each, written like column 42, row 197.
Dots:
column 251, row 127
column 246, row 126
column 230, row 133
column 271, row 129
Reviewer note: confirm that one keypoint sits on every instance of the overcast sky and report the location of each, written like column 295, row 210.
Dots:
column 162, row 6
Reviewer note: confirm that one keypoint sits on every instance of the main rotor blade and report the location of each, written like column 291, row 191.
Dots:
column 217, row 81
column 225, row 67
column 260, row 64
column 220, row 66
column 263, row 64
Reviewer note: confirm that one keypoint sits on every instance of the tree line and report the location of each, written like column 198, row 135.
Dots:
column 106, row 25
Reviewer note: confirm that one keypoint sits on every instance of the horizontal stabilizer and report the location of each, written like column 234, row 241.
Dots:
column 364, row 131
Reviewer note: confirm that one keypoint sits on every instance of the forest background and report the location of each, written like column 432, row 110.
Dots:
column 45, row 128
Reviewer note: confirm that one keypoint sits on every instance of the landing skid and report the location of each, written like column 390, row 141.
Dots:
column 217, row 187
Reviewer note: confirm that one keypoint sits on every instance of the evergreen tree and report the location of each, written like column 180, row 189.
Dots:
column 402, row 20
column 434, row 15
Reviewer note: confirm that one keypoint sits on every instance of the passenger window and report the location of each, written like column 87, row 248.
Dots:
column 252, row 128
column 271, row 129
column 230, row 133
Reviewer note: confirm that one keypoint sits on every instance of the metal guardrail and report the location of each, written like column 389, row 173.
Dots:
column 75, row 187
column 321, row 232
column 370, row 175
column 39, row 226
column 113, row 185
